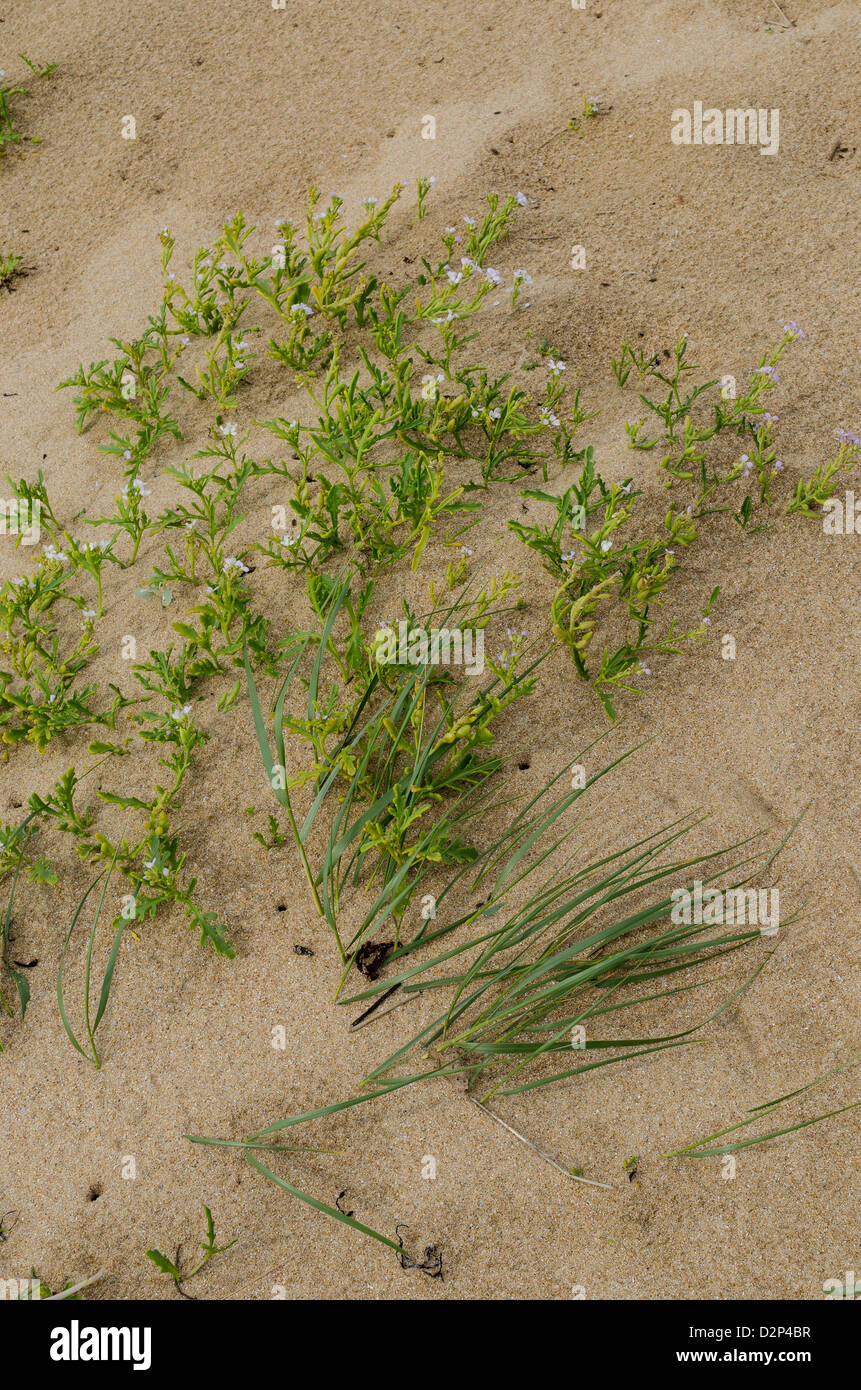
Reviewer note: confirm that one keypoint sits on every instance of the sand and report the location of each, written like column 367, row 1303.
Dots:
column 244, row 106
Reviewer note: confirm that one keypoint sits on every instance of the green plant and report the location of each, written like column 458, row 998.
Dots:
column 10, row 135
column 9, row 269
column 208, row 1246
column 404, row 753
column 91, row 1024
column 609, row 574
column 13, row 845
column 758, row 1113
column 811, row 494
column 38, row 69
column 536, row 986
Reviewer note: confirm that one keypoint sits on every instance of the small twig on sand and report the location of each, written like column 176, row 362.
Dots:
column 365, row 1017
column 534, row 1147
column 790, row 23
column 75, row 1288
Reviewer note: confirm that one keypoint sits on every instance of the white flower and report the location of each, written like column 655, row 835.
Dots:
column 180, row 714
column 555, row 367
column 185, row 340
column 470, row 221
column 228, row 429
column 287, row 540
column 521, row 198
column 493, row 276
column 522, row 277
column 454, row 277
column 606, row 545
column 231, row 563
column 301, row 309
column 88, row 614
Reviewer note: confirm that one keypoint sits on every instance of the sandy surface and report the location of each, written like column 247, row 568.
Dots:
column 242, row 106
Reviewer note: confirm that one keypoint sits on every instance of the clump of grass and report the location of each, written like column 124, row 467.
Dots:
column 527, row 986
column 403, row 756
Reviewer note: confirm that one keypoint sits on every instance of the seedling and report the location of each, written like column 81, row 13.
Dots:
column 208, row 1246
column 10, row 268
